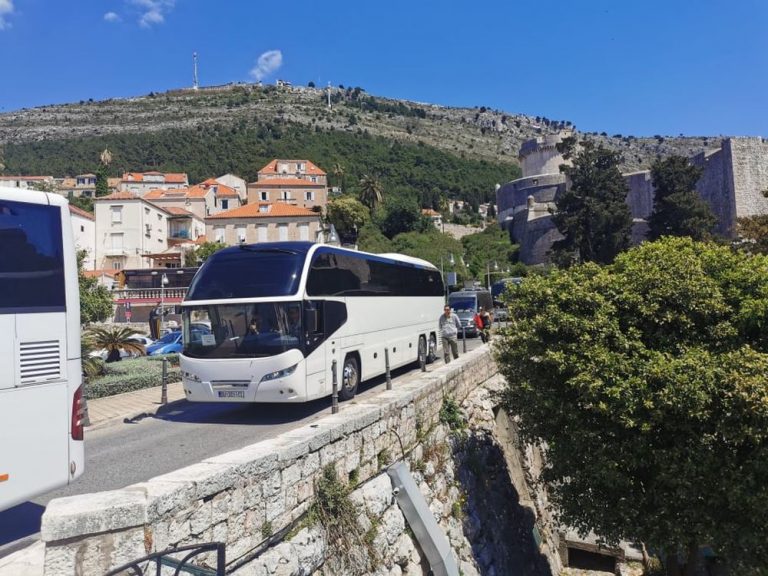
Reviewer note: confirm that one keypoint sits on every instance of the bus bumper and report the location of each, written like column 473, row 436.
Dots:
column 245, row 380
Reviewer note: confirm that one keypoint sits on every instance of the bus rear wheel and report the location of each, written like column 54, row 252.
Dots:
column 350, row 378
column 422, row 357
column 432, row 350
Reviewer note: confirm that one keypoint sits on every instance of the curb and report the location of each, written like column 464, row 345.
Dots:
column 132, row 417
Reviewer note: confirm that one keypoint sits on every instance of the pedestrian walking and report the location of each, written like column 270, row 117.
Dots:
column 487, row 319
column 449, row 333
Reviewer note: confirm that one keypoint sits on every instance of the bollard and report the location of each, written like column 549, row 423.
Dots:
column 335, row 394
column 464, row 339
column 164, row 393
column 386, row 365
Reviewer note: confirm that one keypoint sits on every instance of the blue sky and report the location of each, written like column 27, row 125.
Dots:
column 641, row 67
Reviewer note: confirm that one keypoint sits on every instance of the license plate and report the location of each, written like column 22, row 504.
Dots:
column 231, row 393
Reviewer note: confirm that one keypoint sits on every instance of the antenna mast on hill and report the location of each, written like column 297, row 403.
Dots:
column 329, row 94
column 195, row 84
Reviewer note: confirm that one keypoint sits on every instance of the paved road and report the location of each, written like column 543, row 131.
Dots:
column 186, row 433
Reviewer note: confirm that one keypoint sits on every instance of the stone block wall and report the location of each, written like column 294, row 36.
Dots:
column 245, row 496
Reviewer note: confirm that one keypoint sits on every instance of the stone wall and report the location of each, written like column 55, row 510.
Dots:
column 247, row 496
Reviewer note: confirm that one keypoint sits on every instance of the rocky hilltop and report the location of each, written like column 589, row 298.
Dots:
column 478, row 133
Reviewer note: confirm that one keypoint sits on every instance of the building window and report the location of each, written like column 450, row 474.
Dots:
column 301, row 166
column 116, row 265
column 262, row 233
column 313, row 178
column 117, row 214
column 309, row 195
column 218, row 232
column 146, row 211
column 303, row 231
column 241, row 234
column 116, row 241
column 264, row 196
column 159, row 217
column 82, row 228
column 224, row 204
column 282, row 232
column 286, row 195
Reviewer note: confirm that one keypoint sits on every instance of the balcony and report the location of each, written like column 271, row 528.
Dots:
column 115, row 252
column 137, row 295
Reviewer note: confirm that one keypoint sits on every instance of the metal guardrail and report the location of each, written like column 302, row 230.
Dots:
column 183, row 566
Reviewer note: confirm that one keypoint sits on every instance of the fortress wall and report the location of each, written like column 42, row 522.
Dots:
column 716, row 187
column 640, row 195
column 749, row 158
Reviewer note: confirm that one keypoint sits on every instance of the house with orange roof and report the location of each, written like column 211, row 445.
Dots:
column 434, row 216
column 239, row 184
column 84, row 233
column 263, row 222
column 294, row 182
column 204, row 199
column 184, row 227
column 141, row 182
column 129, row 230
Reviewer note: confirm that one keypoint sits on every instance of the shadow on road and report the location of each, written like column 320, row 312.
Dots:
column 20, row 521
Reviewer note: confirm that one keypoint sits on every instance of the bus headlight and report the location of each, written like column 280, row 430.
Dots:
column 193, row 377
column 279, row 374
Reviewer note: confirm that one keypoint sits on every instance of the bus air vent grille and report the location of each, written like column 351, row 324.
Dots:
column 39, row 361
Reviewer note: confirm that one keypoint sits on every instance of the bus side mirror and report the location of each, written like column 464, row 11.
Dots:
column 310, row 320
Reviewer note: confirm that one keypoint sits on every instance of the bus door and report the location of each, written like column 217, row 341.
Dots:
column 315, row 351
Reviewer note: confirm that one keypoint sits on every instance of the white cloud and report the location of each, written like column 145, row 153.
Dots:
column 153, row 11
column 6, row 7
column 267, row 63
column 112, row 17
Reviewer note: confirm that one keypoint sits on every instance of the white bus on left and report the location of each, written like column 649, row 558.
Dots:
column 268, row 322
column 41, row 428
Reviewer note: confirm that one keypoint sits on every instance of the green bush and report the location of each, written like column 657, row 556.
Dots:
column 130, row 375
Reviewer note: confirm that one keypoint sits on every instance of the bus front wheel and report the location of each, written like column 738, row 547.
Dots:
column 350, row 378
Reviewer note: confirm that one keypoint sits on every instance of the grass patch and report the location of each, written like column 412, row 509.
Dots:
column 130, row 375
column 450, row 414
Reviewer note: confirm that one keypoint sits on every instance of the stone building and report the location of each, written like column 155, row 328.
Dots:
column 295, row 182
column 263, row 222
column 141, row 182
column 205, row 199
column 732, row 182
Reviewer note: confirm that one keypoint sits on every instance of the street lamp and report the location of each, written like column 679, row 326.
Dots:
column 163, row 284
column 488, row 271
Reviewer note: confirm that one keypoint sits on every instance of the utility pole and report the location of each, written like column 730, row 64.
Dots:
column 195, row 84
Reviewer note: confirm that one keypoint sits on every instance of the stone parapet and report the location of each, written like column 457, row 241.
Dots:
column 245, row 496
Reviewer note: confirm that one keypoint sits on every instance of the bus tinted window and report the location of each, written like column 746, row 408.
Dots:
column 247, row 273
column 336, row 274
column 31, row 258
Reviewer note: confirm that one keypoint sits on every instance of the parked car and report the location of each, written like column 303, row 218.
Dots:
column 171, row 343
column 500, row 314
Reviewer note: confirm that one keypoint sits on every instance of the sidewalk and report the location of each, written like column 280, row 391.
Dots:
column 113, row 409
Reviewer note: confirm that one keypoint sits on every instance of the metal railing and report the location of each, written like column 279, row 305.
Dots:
column 144, row 566
column 149, row 293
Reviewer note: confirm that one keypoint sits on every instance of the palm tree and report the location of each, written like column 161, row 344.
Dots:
column 92, row 366
column 113, row 339
column 370, row 192
column 338, row 171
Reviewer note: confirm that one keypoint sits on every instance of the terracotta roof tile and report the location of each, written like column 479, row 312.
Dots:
column 310, row 168
column 170, row 178
column 81, row 212
column 274, row 210
column 222, row 190
column 166, row 194
column 101, row 271
column 176, row 211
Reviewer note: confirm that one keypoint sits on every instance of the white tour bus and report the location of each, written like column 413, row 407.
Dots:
column 265, row 322
column 41, row 432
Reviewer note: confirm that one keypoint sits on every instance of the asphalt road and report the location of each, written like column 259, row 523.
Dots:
column 184, row 434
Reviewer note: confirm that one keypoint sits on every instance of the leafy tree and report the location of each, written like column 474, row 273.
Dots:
column 338, row 171
column 370, row 192
column 370, row 239
column 646, row 382
column 753, row 233
column 433, row 246
column 401, row 214
column 348, row 215
column 102, row 185
column 491, row 245
column 592, row 214
column 206, row 249
column 95, row 300
column 82, row 202
column 678, row 210
column 114, row 338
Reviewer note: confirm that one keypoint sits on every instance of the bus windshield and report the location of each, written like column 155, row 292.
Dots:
column 254, row 330
column 248, row 272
